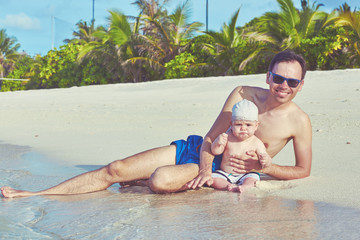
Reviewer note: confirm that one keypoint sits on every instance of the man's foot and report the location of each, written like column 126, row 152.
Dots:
column 9, row 192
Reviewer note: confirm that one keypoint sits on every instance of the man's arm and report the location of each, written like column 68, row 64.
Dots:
column 302, row 143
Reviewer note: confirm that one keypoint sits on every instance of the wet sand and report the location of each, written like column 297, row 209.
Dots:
column 136, row 213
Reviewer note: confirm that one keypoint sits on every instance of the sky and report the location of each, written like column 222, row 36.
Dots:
column 40, row 25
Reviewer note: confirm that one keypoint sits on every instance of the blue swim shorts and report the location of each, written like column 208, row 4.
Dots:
column 189, row 152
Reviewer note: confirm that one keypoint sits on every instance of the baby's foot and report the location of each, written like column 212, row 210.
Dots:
column 236, row 188
column 233, row 188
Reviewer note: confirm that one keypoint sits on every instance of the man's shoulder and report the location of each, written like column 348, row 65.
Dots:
column 299, row 115
column 251, row 92
column 296, row 111
column 252, row 88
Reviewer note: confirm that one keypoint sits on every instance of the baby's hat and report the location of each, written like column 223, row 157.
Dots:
column 245, row 110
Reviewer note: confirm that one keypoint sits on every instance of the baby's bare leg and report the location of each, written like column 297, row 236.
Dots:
column 220, row 184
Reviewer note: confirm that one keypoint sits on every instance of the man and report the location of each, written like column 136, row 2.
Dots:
column 280, row 119
column 171, row 169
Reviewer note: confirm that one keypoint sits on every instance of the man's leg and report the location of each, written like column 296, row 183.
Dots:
column 139, row 166
column 168, row 179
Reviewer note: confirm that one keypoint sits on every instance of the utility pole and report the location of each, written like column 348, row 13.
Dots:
column 93, row 12
column 303, row 4
column 207, row 15
column 52, row 32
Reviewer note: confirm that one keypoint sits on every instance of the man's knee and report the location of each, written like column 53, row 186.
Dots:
column 161, row 181
column 168, row 179
column 115, row 169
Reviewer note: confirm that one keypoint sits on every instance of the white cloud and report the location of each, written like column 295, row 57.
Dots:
column 21, row 21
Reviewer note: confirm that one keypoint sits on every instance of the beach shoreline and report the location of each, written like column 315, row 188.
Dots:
column 95, row 125
column 137, row 213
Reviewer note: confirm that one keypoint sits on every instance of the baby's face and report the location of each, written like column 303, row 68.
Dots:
column 243, row 129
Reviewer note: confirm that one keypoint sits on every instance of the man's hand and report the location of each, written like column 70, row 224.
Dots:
column 204, row 177
column 241, row 165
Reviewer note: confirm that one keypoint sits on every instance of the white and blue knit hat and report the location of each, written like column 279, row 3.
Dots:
column 245, row 110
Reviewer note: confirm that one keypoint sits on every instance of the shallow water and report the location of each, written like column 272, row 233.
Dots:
column 136, row 213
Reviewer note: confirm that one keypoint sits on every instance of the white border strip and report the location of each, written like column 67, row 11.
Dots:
column 15, row 79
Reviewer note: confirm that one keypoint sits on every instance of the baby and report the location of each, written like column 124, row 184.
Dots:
column 239, row 140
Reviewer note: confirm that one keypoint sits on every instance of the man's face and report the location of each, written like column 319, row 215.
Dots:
column 282, row 92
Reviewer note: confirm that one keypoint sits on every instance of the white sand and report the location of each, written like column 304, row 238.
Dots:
column 98, row 124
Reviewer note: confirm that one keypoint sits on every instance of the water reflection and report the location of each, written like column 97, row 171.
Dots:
column 213, row 214
column 136, row 213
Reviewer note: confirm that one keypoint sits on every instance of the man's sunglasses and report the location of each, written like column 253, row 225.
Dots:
column 278, row 79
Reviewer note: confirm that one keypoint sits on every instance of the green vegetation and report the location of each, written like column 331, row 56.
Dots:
column 8, row 53
column 156, row 45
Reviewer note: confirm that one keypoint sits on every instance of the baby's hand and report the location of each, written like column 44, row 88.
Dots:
column 265, row 159
column 218, row 146
column 223, row 139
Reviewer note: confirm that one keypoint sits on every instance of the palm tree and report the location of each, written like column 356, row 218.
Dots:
column 225, row 44
column 275, row 32
column 112, row 46
column 343, row 8
column 119, row 49
column 166, row 35
column 291, row 25
column 85, row 32
column 153, row 10
column 129, row 53
column 180, row 30
column 351, row 20
column 8, row 52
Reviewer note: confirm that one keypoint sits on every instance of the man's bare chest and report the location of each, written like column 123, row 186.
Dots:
column 274, row 133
